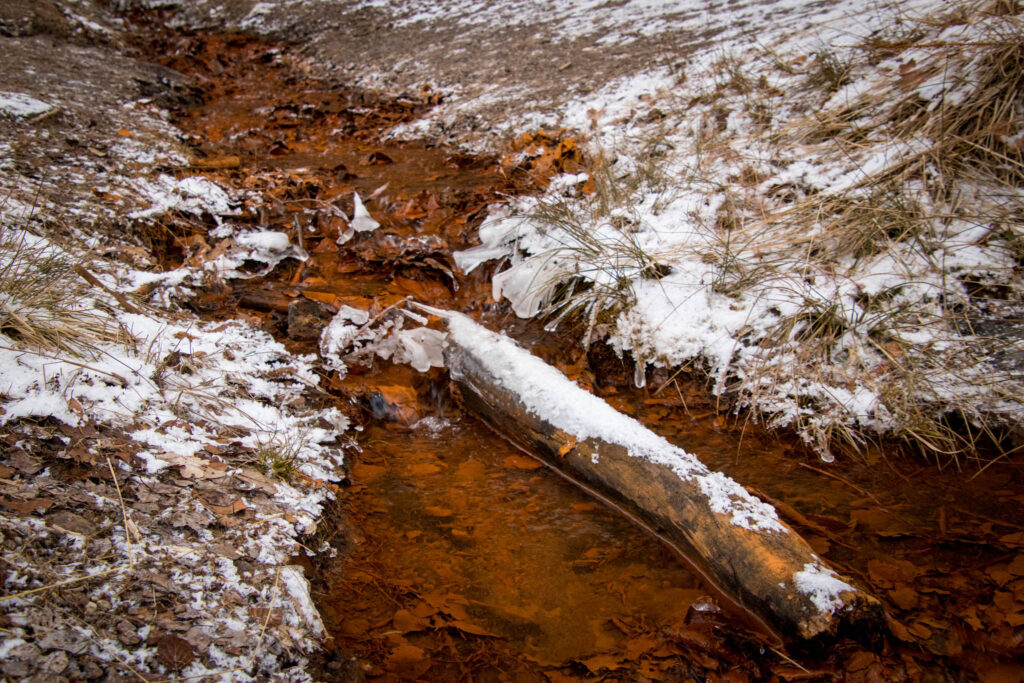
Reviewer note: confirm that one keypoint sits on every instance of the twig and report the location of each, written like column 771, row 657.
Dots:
column 266, row 619
column 119, row 378
column 95, row 282
column 124, row 516
column 14, row 596
column 844, row 481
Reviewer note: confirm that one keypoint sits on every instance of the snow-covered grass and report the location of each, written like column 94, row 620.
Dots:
column 43, row 300
column 833, row 233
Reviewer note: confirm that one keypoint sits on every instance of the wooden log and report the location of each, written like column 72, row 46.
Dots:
column 735, row 539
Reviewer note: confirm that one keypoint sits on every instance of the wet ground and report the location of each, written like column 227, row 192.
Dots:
column 459, row 558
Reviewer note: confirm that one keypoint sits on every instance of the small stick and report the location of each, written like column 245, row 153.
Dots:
column 95, row 282
column 124, row 515
column 844, row 481
column 116, row 376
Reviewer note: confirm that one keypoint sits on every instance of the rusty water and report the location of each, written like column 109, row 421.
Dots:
column 461, row 559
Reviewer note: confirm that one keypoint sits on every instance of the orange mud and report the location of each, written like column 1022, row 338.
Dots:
column 460, row 558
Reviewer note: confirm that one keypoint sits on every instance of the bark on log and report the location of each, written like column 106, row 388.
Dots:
column 736, row 540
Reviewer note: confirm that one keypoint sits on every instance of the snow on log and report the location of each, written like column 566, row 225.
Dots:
column 735, row 539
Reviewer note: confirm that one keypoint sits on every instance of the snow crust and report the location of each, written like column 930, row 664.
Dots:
column 20, row 105
column 823, row 587
column 551, row 396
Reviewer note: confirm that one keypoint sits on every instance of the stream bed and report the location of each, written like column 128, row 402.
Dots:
column 461, row 558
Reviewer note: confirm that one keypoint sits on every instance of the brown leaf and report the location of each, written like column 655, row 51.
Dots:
column 174, row 653
column 405, row 621
column 601, row 662
column 409, row 660
column 860, row 661
column 904, row 597
column 27, row 507
column 471, row 628
column 521, row 462
column 436, row 511
column 229, row 509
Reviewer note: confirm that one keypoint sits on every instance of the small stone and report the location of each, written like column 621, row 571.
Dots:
column 306, row 319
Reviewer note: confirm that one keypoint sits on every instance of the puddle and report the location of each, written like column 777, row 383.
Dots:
column 459, row 558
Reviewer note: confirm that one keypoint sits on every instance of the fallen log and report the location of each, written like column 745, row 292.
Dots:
column 735, row 539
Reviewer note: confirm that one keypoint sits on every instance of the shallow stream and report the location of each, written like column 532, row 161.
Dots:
column 461, row 558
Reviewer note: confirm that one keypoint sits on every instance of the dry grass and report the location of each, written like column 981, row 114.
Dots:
column 44, row 303
column 940, row 398
column 604, row 261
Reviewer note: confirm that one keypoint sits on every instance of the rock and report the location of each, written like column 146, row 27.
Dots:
column 306, row 319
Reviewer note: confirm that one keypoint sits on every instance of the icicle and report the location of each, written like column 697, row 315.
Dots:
column 640, row 374
column 361, row 219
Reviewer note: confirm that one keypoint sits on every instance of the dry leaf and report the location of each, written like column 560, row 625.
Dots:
column 521, row 462
column 174, row 653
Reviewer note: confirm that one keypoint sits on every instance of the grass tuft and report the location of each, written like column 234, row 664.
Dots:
column 44, row 304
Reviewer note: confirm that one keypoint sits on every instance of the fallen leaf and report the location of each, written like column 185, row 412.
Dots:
column 436, row 511
column 409, row 660
column 471, row 628
column 521, row 462
column 174, row 653
column 859, row 661
column 27, row 507
column 919, row 630
column 322, row 297
column 904, row 597
column 230, row 509
column 405, row 621
column 601, row 662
